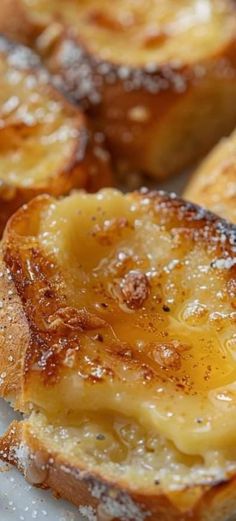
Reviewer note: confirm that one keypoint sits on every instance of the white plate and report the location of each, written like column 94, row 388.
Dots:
column 22, row 502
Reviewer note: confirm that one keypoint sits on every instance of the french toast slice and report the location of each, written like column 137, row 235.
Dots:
column 46, row 145
column 118, row 343
column 157, row 76
column 213, row 185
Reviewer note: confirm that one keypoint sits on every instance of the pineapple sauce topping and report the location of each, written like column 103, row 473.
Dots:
column 151, row 31
column 136, row 315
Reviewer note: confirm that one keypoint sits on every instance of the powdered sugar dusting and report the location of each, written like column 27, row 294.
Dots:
column 21, row 455
column 117, row 504
column 19, row 56
column 94, row 73
column 88, row 513
column 84, row 75
column 224, row 264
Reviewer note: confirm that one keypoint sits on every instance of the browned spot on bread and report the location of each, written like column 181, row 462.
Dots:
column 135, row 289
column 75, row 319
column 168, row 355
column 107, row 233
column 154, row 37
column 231, row 288
column 100, row 18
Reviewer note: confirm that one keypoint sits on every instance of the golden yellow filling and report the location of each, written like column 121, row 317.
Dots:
column 145, row 31
column 156, row 318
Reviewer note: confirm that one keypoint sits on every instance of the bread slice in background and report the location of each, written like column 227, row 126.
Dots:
column 46, row 145
column 118, row 342
column 159, row 78
column 213, row 185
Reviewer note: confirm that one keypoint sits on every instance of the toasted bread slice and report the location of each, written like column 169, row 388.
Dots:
column 45, row 142
column 125, row 354
column 157, row 76
column 214, row 183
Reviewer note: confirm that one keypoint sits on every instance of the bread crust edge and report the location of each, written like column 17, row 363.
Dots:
column 87, row 490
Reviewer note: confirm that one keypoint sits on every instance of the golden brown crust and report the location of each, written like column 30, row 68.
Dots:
column 150, row 114
column 214, row 183
column 11, row 352
column 81, row 162
column 93, row 494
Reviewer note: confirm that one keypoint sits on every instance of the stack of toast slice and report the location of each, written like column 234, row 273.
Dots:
column 117, row 312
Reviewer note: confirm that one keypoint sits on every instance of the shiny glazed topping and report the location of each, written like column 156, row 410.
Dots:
column 139, row 317
column 145, row 31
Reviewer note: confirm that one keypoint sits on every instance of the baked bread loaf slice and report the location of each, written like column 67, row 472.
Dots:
column 118, row 344
column 213, row 185
column 45, row 142
column 158, row 77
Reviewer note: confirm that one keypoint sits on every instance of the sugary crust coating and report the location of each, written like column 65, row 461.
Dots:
column 30, row 123
column 94, row 495
column 149, row 113
column 214, row 183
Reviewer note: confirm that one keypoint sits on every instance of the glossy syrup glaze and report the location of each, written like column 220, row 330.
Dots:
column 135, row 313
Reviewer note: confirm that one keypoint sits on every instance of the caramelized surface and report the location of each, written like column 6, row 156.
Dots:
column 39, row 133
column 134, row 313
column 145, row 31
